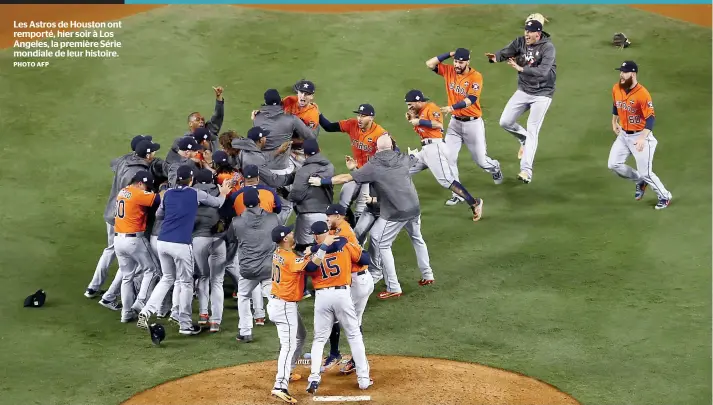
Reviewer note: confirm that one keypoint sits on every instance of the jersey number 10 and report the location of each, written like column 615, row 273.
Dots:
column 333, row 268
column 120, row 209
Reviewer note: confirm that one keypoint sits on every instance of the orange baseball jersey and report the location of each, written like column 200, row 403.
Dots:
column 363, row 142
column 269, row 200
column 430, row 112
column 336, row 267
column 345, row 231
column 633, row 108
column 288, row 282
column 308, row 114
column 131, row 205
column 227, row 176
column 458, row 87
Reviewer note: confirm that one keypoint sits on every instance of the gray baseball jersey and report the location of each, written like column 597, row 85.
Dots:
column 538, row 60
column 282, row 128
column 251, row 233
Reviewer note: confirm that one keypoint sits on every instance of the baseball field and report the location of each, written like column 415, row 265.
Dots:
column 567, row 280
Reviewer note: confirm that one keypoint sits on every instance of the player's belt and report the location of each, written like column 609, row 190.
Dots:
column 339, row 287
column 129, row 235
column 361, row 273
column 465, row 119
column 631, row 132
column 429, row 141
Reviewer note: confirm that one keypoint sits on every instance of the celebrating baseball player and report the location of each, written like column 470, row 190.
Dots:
column 210, row 254
column 250, row 232
column 428, row 124
column 363, row 133
column 303, row 107
column 269, row 200
column 283, row 307
column 533, row 56
column 333, row 303
column 251, row 154
column 196, row 120
column 463, row 87
column 178, row 209
column 388, row 170
column 310, row 202
column 131, row 246
column 633, row 123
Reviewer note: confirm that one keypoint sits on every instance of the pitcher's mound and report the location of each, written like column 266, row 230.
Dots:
column 397, row 381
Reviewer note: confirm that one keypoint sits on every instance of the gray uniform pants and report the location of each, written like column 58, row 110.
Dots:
column 102, row 269
column 352, row 191
column 623, row 147
column 516, row 106
column 177, row 267
column 287, row 206
column 210, row 257
column 472, row 134
column 165, row 307
column 303, row 224
column 248, row 289
column 135, row 260
column 361, row 230
column 383, row 234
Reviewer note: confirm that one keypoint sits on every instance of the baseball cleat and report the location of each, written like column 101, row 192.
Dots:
column 498, row 177
column 384, row 295
column 295, row 377
column 192, row 330
column 477, row 209
column 114, row 306
column 235, row 295
column 454, row 200
column 214, row 327
column 331, row 361
column 244, row 339
column 312, row 387
column 366, row 385
column 143, row 321
column 282, row 394
column 131, row 318
column 260, row 321
column 348, row 368
column 423, row 282
column 520, row 152
column 203, row 319
column 640, row 190
column 93, row 293
column 664, row 202
column 524, row 177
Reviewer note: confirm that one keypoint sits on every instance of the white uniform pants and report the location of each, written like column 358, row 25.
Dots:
column 135, row 260
column 210, row 258
column 362, row 287
column 177, row 268
column 292, row 334
column 623, row 147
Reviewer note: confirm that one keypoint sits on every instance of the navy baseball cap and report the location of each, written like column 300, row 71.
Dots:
column 256, row 133
column 138, row 138
column 250, row 171
column 188, row 143
column 304, row 86
column 201, row 134
column 628, row 66
column 462, row 54
column 184, row 172
column 204, row 176
column 365, row 109
column 310, row 146
column 319, row 228
column 221, row 157
column 251, row 198
column 272, row 97
column 415, row 95
column 145, row 147
column 533, row 26
column 279, row 233
column 336, row 209
column 143, row 176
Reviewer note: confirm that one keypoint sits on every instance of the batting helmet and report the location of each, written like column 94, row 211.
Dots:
column 157, row 332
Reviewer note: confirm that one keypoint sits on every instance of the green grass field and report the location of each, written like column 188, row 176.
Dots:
column 568, row 279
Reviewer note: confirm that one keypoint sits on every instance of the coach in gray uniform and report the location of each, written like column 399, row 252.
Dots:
column 251, row 154
column 124, row 168
column 209, row 253
column 533, row 56
column 251, row 232
column 388, row 170
column 310, row 202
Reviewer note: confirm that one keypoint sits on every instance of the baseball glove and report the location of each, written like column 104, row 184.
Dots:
column 620, row 40
column 538, row 17
column 410, row 114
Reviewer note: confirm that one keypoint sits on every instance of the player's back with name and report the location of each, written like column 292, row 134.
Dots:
column 90, row 44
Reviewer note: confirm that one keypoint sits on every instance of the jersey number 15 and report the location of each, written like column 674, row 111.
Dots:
column 333, row 268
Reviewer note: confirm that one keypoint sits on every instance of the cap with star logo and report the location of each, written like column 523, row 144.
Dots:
column 628, row 66
column 415, row 96
column 533, row 26
column 304, row 86
column 365, row 109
